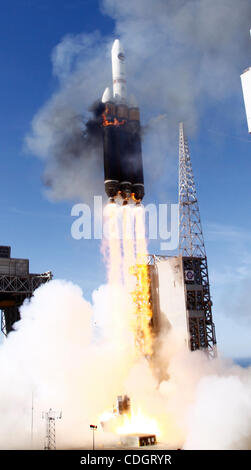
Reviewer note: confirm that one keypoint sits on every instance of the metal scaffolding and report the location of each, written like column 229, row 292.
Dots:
column 14, row 290
column 192, row 250
column 50, row 437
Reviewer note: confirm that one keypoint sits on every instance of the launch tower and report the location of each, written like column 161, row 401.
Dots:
column 192, row 250
column 180, row 291
column 16, row 284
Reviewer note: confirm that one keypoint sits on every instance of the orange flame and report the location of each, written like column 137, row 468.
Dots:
column 112, row 122
column 135, row 422
column 142, row 294
column 138, row 423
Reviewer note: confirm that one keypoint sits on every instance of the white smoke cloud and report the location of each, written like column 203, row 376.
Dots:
column 76, row 358
column 72, row 169
column 181, row 56
column 229, row 399
column 54, row 355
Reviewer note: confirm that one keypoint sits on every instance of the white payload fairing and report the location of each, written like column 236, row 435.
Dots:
column 246, row 88
column 119, row 93
column 118, row 72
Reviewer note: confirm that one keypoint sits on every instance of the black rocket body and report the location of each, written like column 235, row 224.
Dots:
column 123, row 167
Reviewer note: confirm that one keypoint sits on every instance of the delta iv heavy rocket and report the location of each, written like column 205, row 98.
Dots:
column 123, row 168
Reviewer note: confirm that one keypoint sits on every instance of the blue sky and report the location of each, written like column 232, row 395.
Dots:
column 38, row 228
column 33, row 226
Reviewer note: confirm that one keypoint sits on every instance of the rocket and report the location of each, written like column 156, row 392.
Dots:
column 123, row 167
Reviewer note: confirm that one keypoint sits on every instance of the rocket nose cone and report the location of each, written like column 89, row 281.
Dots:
column 117, row 48
column 116, row 45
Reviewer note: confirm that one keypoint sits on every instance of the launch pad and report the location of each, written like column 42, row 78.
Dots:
column 16, row 285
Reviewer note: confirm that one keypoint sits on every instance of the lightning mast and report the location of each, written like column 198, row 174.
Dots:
column 192, row 249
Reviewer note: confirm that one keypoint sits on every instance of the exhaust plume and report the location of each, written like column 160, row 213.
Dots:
column 57, row 353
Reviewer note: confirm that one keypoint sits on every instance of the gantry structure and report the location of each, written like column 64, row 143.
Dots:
column 192, row 250
column 16, row 285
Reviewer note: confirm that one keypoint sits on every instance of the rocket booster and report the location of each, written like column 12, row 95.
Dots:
column 123, row 168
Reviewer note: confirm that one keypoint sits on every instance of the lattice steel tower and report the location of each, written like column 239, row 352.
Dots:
column 192, row 250
column 50, row 438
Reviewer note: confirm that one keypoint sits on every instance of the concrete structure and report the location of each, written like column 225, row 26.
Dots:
column 168, row 295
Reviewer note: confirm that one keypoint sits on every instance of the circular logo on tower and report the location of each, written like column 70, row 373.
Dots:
column 121, row 56
column 189, row 275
